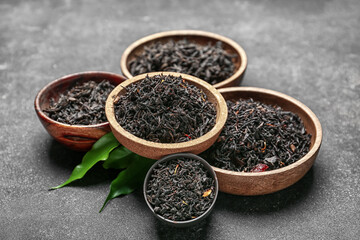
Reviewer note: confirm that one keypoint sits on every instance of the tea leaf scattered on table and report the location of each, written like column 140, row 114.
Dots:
column 99, row 152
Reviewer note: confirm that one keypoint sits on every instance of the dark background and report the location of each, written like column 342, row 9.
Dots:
column 309, row 50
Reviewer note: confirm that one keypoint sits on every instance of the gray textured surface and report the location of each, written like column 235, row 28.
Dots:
column 307, row 49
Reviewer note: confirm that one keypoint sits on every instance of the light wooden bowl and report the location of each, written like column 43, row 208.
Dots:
column 198, row 37
column 241, row 183
column 155, row 150
column 75, row 137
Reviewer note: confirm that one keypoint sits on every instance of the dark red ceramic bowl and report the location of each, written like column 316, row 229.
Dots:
column 76, row 137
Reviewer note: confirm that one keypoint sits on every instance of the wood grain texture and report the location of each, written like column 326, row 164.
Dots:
column 241, row 183
column 75, row 137
column 196, row 36
column 155, row 150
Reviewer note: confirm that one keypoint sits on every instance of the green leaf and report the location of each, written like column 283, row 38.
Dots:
column 129, row 179
column 119, row 158
column 99, row 152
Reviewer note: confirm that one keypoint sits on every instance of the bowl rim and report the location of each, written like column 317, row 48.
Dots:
column 219, row 124
column 208, row 168
column 239, row 50
column 306, row 157
column 57, row 81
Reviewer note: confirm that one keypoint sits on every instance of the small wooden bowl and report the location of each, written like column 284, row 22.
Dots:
column 191, row 222
column 241, row 183
column 76, row 137
column 155, row 150
column 198, row 37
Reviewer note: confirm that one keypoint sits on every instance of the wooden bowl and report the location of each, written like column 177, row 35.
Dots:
column 76, row 137
column 155, row 150
column 198, row 37
column 191, row 222
column 241, row 183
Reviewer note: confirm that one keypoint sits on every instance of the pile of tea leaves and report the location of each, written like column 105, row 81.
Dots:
column 165, row 109
column 180, row 189
column 83, row 104
column 209, row 62
column 258, row 137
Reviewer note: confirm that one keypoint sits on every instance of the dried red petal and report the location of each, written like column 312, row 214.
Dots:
column 188, row 136
column 260, row 168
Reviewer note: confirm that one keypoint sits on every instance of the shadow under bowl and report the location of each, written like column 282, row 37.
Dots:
column 194, row 36
column 156, row 150
column 75, row 137
column 259, row 183
column 187, row 223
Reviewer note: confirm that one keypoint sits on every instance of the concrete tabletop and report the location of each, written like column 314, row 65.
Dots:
column 309, row 50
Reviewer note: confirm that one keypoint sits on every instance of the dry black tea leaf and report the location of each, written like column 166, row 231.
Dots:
column 210, row 62
column 180, row 189
column 83, row 104
column 165, row 109
column 258, row 137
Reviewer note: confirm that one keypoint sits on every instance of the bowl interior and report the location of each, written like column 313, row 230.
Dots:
column 273, row 98
column 194, row 36
column 199, row 84
column 201, row 40
column 54, row 89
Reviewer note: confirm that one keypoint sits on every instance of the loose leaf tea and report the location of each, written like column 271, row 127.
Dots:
column 258, row 137
column 180, row 189
column 165, row 109
column 84, row 104
column 210, row 62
